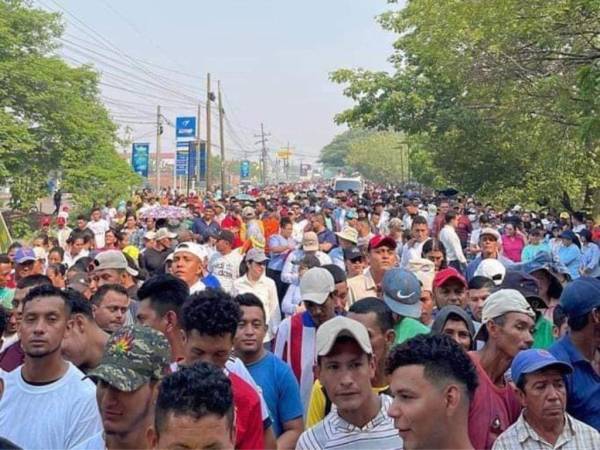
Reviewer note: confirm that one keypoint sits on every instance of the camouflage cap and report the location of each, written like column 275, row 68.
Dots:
column 134, row 355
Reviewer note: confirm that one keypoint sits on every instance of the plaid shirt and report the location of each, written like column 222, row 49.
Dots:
column 575, row 435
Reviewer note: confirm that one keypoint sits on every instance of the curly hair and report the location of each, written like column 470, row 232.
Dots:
column 211, row 312
column 196, row 391
column 441, row 357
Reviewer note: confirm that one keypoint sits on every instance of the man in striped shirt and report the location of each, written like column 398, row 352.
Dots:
column 345, row 367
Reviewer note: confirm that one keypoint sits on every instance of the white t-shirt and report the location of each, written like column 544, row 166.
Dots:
column 61, row 414
column 96, row 442
column 226, row 268
column 99, row 228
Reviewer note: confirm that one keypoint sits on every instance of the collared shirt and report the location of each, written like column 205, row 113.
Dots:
column 289, row 274
column 361, row 286
column 452, row 243
column 583, row 385
column 266, row 290
column 335, row 432
column 575, row 435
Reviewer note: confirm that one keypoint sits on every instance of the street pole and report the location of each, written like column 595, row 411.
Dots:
column 158, row 133
column 264, row 154
column 208, row 132
column 221, row 141
column 199, row 115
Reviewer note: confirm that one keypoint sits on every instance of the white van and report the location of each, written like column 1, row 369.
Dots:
column 348, row 184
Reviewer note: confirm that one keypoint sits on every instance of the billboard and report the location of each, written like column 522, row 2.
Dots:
column 185, row 127
column 140, row 155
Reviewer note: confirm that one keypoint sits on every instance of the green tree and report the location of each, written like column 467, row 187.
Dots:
column 51, row 115
column 500, row 98
column 334, row 153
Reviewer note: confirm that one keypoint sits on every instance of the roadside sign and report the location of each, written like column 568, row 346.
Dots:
column 191, row 160
column 185, row 127
column 245, row 169
column 181, row 160
column 140, row 155
column 202, row 164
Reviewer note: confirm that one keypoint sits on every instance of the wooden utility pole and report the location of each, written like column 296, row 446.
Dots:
column 158, row 133
column 221, row 140
column 208, row 137
column 198, row 117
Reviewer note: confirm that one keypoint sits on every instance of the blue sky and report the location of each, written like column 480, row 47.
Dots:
column 273, row 58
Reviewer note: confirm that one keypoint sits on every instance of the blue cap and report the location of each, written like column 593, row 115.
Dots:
column 351, row 214
column 568, row 234
column 402, row 292
column 580, row 296
column 534, row 359
column 24, row 254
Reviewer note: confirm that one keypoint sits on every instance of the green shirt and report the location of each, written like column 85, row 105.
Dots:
column 408, row 328
column 542, row 334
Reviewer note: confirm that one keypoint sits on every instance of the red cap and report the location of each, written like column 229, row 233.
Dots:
column 380, row 240
column 46, row 220
column 61, row 219
column 449, row 273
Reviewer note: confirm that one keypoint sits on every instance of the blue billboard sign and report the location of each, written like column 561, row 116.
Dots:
column 140, row 158
column 181, row 160
column 245, row 169
column 202, row 163
column 192, row 156
column 185, row 127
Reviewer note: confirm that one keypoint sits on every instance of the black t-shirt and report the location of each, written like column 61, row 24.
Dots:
column 154, row 261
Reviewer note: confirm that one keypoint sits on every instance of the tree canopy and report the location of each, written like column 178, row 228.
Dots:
column 496, row 98
column 51, row 116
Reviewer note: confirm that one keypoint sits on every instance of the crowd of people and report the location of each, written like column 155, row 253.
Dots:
column 296, row 317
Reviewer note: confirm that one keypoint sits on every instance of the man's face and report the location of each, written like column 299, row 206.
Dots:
column 426, row 306
column 74, row 343
column 420, row 232
column 210, row 349
column 251, row 331
column 105, row 276
column 544, row 395
column 346, row 375
column 110, row 315
column 452, row 292
column 25, row 269
column 209, row 214
column 287, row 230
column 382, row 258
column 380, row 340
column 54, row 258
column 355, row 266
column 187, row 267
column 96, row 216
column 457, row 330
column 81, row 224
column 147, row 316
column 489, row 245
column 123, row 412
column 477, row 298
column 5, row 270
column 76, row 246
column 43, row 326
column 418, row 408
column 444, row 208
column 341, row 296
column 321, row 313
column 207, row 432
column 515, row 335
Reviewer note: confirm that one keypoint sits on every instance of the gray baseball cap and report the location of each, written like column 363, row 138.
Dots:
column 316, row 285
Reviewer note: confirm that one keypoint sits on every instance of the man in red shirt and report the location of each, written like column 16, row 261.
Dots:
column 507, row 328
column 209, row 322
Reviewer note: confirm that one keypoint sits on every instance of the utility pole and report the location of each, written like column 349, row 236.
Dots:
column 263, row 142
column 208, row 137
column 221, row 140
column 199, row 115
column 158, row 133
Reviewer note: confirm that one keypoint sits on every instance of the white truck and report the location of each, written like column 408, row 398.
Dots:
column 345, row 184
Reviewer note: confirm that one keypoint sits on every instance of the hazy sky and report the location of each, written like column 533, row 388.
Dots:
column 273, row 58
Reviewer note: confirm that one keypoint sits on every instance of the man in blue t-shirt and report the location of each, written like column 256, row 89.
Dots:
column 275, row 378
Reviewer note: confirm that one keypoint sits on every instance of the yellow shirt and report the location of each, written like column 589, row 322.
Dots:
column 318, row 402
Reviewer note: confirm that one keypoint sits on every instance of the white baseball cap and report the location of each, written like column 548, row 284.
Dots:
column 340, row 326
column 316, row 285
column 491, row 268
column 190, row 247
column 502, row 302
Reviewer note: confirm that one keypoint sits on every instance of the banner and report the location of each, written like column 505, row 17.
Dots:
column 245, row 169
column 140, row 155
column 185, row 127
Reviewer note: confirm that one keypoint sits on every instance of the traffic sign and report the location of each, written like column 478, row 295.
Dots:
column 140, row 156
column 185, row 127
column 245, row 169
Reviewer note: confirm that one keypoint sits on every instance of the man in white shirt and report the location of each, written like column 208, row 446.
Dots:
column 46, row 403
column 188, row 265
column 413, row 249
column 256, row 282
column 310, row 246
column 99, row 227
column 225, row 263
column 454, row 253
